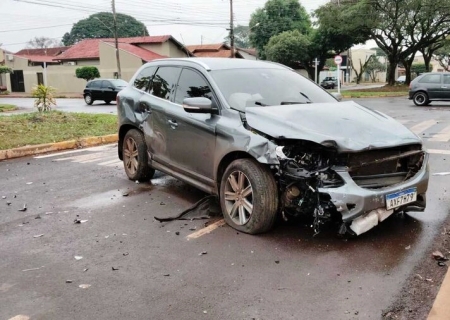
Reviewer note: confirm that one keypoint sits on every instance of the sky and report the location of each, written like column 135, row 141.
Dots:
column 189, row 21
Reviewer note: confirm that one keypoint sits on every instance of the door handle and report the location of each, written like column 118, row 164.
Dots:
column 173, row 123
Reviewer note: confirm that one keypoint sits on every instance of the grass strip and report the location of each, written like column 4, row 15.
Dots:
column 54, row 126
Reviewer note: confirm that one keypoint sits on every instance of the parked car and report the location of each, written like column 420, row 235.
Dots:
column 329, row 83
column 429, row 87
column 401, row 79
column 103, row 89
column 267, row 141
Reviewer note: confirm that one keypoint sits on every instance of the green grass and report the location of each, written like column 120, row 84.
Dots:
column 7, row 107
column 54, row 126
column 372, row 94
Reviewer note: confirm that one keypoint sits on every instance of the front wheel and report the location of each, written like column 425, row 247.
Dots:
column 135, row 157
column 88, row 99
column 249, row 196
column 421, row 99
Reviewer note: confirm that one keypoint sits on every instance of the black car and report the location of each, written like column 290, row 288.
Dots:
column 430, row 87
column 103, row 89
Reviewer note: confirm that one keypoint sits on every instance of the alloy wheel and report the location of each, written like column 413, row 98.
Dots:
column 131, row 155
column 239, row 198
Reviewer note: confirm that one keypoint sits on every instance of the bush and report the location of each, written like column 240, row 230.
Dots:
column 87, row 73
column 44, row 97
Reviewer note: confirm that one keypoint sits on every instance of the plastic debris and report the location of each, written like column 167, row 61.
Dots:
column 69, row 281
column 86, row 269
column 277, row 261
column 162, row 203
column 114, row 268
column 84, row 286
column 78, row 257
column 441, row 264
column 38, row 235
column 3, row 197
column 177, row 233
column 205, row 312
column 78, row 221
column 203, row 253
column 167, row 275
column 439, row 256
column 125, row 254
column 125, row 194
column 32, row 269
column 408, row 247
column 8, row 203
column 24, row 208
column 38, row 217
column 29, row 183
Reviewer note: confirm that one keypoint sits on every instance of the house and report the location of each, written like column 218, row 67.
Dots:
column 249, row 54
column 57, row 69
column 217, row 50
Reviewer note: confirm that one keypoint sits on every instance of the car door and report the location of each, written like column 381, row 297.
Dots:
column 96, row 89
column 156, row 102
column 433, row 85
column 192, row 137
column 107, row 91
column 446, row 86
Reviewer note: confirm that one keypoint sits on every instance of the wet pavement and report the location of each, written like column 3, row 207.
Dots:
column 138, row 268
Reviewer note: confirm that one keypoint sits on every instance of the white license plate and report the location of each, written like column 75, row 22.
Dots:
column 398, row 199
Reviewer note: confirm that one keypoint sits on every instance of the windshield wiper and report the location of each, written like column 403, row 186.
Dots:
column 283, row 103
column 261, row 104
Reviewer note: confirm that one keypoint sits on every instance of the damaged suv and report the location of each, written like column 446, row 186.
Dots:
column 269, row 142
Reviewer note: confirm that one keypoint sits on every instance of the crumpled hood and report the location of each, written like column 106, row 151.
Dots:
column 348, row 125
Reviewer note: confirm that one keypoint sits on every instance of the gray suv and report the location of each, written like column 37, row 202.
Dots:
column 269, row 142
column 430, row 87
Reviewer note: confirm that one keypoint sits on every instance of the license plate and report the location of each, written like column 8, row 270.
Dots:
column 398, row 199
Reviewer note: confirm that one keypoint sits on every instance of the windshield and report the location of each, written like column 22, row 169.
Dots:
column 119, row 83
column 243, row 88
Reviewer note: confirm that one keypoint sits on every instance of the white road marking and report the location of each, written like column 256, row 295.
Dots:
column 117, row 160
column 20, row 317
column 206, row 230
column 442, row 136
column 93, row 149
column 434, row 151
column 404, row 121
column 421, row 127
column 114, row 164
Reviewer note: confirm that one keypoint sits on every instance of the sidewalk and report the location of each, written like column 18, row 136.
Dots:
column 58, row 95
column 441, row 306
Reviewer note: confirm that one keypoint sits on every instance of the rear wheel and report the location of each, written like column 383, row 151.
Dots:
column 88, row 99
column 135, row 157
column 249, row 196
column 421, row 99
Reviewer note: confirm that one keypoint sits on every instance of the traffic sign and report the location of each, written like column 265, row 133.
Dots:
column 338, row 60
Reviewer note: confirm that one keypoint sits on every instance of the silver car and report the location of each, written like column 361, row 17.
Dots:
column 269, row 142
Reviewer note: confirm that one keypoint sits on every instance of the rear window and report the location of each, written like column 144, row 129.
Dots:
column 93, row 84
column 431, row 78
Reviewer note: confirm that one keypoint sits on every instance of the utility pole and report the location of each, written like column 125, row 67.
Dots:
column 119, row 72
column 315, row 64
column 231, row 29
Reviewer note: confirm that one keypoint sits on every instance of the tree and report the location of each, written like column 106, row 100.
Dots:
column 419, row 68
column 276, row 17
column 100, row 25
column 361, row 70
column 43, row 42
column 400, row 28
column 378, row 52
column 374, row 66
column 5, row 69
column 442, row 55
column 241, row 37
column 87, row 73
column 288, row 48
column 44, row 97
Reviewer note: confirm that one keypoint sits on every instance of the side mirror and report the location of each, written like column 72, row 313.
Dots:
column 338, row 96
column 198, row 105
column 112, row 88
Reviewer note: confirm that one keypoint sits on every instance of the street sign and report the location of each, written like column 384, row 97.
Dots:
column 338, row 60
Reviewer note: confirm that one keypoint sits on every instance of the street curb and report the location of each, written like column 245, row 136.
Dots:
column 441, row 306
column 374, row 97
column 57, row 146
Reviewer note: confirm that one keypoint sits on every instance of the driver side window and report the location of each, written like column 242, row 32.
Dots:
column 192, row 85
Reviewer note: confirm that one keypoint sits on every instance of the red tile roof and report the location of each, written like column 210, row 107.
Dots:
column 144, row 54
column 37, row 58
column 89, row 48
column 42, row 51
column 217, row 50
column 250, row 51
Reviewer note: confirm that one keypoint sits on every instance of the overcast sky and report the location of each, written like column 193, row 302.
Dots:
column 189, row 21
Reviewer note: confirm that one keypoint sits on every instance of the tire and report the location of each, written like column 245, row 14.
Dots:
column 249, row 196
column 88, row 99
column 107, row 101
column 135, row 157
column 421, row 99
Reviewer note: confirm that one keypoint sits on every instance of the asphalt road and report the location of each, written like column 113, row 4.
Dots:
column 285, row 274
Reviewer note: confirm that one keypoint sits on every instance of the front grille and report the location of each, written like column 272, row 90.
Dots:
column 381, row 168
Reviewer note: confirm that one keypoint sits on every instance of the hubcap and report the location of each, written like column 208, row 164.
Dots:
column 239, row 198
column 88, row 99
column 130, row 155
column 420, row 98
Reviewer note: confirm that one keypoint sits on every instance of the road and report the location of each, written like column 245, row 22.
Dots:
column 161, row 271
